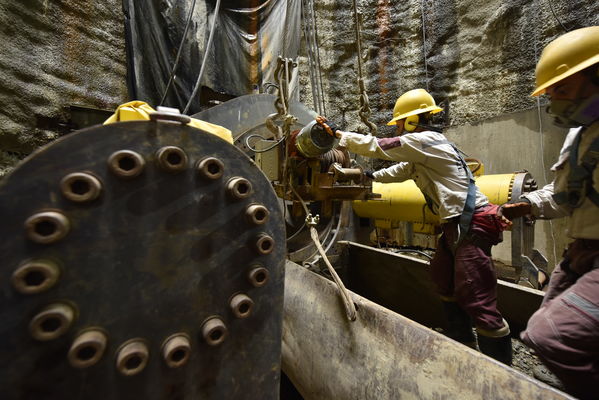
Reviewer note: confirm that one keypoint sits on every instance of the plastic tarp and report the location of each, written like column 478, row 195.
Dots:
column 249, row 36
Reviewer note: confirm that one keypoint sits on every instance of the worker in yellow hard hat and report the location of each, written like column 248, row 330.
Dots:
column 462, row 267
column 565, row 331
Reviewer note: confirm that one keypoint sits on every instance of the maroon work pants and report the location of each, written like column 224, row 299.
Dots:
column 469, row 276
column 565, row 331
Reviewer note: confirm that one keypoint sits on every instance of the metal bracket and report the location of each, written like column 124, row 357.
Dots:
column 530, row 268
column 169, row 114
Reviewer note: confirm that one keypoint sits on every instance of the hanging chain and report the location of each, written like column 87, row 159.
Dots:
column 282, row 76
column 364, row 112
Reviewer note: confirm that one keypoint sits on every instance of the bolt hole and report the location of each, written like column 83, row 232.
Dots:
column 244, row 308
column 213, row 168
column 173, row 158
column 260, row 277
column 50, row 325
column 260, row 215
column 127, row 163
column 243, row 188
column 80, row 187
column 266, row 245
column 35, row 278
column 178, row 355
column 133, row 362
column 86, row 353
column 216, row 334
column 45, row 228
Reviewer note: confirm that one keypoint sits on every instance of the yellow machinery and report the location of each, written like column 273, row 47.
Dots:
column 403, row 201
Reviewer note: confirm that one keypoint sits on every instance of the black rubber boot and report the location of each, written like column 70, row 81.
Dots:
column 459, row 324
column 499, row 348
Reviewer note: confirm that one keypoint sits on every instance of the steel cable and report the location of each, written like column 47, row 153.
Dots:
column 206, row 52
column 176, row 64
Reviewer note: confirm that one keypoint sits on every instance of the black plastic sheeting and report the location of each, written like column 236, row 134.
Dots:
column 249, row 37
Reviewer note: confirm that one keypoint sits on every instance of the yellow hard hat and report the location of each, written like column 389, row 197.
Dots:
column 567, row 55
column 414, row 102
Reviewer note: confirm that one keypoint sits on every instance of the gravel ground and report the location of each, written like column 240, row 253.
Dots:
column 525, row 361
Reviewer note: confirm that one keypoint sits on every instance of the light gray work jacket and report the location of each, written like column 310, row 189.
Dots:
column 428, row 159
column 584, row 220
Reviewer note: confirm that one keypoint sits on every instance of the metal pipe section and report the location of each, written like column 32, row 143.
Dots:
column 403, row 201
column 312, row 141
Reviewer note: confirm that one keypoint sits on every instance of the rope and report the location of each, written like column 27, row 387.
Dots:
column 176, row 64
column 208, row 46
column 350, row 307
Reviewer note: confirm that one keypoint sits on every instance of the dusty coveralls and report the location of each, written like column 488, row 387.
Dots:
column 429, row 159
column 565, row 330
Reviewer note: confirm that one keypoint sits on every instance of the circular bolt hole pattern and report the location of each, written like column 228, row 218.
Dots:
column 258, row 276
column 239, row 188
column 265, row 244
column 214, row 331
column 52, row 322
column 211, row 168
column 47, row 227
column 35, row 276
column 126, row 163
column 241, row 305
column 132, row 358
column 80, row 187
column 176, row 350
column 87, row 348
column 171, row 159
column 257, row 214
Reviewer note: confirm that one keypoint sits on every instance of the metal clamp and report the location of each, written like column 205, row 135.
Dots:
column 312, row 221
column 169, row 114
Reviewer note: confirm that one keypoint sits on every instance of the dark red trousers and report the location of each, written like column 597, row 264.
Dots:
column 469, row 275
column 565, row 331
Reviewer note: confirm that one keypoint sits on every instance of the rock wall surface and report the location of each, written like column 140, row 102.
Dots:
column 55, row 54
column 476, row 57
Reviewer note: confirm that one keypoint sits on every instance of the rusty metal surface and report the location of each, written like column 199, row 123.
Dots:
column 383, row 355
column 154, row 256
column 403, row 285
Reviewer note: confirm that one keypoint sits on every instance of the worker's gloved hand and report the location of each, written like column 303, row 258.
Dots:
column 515, row 210
column 329, row 127
column 369, row 174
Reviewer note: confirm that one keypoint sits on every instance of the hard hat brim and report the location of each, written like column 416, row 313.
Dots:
column 587, row 63
column 431, row 109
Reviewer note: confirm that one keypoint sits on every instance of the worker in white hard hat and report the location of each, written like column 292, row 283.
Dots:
column 462, row 268
column 565, row 331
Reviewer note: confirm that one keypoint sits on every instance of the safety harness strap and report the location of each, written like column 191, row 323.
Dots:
column 580, row 178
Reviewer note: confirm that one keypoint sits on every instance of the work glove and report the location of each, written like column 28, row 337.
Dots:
column 515, row 210
column 369, row 174
column 330, row 127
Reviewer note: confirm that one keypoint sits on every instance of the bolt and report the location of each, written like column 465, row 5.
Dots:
column 258, row 276
column 176, row 350
column 126, row 163
column 36, row 276
column 214, row 331
column 171, row 159
column 211, row 168
column 239, row 188
column 132, row 357
column 87, row 348
column 241, row 305
column 52, row 322
column 80, row 187
column 47, row 227
column 257, row 214
column 265, row 244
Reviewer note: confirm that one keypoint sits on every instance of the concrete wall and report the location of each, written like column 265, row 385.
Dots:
column 525, row 140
